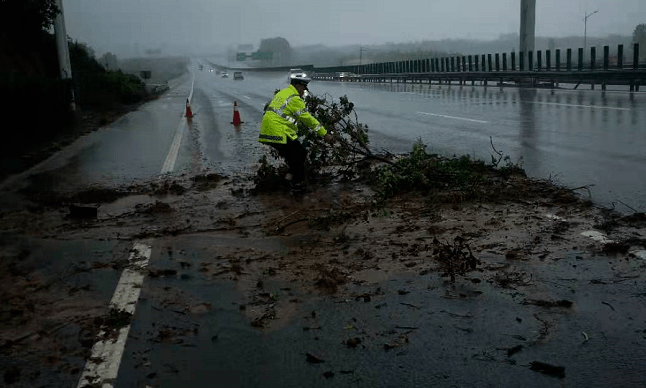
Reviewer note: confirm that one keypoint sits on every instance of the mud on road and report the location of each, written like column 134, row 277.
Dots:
column 512, row 280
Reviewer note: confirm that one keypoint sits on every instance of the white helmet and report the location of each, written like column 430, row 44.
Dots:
column 301, row 78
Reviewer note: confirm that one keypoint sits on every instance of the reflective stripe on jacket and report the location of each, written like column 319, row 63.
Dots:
column 283, row 112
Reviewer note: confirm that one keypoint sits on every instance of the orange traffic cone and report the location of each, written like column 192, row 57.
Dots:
column 236, row 115
column 189, row 112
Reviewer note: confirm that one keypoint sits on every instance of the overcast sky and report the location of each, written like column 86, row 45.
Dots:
column 110, row 25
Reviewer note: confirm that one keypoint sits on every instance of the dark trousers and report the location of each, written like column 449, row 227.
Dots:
column 295, row 155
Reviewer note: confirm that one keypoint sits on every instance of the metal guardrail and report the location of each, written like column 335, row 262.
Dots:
column 504, row 68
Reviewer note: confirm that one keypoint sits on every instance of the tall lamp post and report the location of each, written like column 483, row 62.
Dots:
column 585, row 29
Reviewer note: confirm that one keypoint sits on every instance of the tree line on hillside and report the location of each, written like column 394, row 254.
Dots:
column 29, row 74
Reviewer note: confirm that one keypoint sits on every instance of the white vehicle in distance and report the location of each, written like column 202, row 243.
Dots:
column 224, row 74
column 293, row 72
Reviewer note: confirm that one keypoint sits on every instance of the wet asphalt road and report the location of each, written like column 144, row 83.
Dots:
column 442, row 335
column 578, row 137
column 575, row 138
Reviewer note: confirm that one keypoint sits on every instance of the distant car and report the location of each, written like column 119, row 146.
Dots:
column 201, row 67
column 237, row 75
column 346, row 75
column 296, row 73
column 293, row 72
column 224, row 74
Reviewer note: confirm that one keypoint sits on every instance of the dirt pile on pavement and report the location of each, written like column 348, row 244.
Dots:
column 333, row 239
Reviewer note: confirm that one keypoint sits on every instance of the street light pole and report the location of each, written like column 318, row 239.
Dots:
column 585, row 29
column 62, row 48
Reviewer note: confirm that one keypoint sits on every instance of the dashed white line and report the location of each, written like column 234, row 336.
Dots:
column 103, row 365
column 247, row 97
column 452, row 117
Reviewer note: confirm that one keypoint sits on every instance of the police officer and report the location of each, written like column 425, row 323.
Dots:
column 278, row 128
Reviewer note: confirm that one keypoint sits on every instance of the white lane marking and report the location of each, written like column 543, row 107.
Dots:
column 102, row 367
column 597, row 236
column 169, row 162
column 247, row 97
column 190, row 96
column 452, row 117
column 577, row 106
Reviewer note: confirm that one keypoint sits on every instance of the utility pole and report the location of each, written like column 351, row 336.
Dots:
column 585, row 29
column 527, row 27
column 360, row 55
column 63, row 52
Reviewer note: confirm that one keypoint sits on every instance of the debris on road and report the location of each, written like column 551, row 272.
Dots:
column 557, row 371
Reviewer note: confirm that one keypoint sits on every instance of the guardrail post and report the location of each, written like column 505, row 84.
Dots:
column 513, row 61
column 593, row 57
column 568, row 65
column 442, row 63
column 489, row 62
column 457, row 64
column 530, row 60
column 548, row 60
column 620, row 56
column 558, row 59
column 452, row 64
column 497, row 62
column 432, row 65
column 484, row 68
column 428, row 65
column 636, row 59
column 539, row 59
column 521, row 61
column 477, row 65
column 606, row 57
column 464, row 63
column 580, row 59
column 504, row 61
column 470, row 63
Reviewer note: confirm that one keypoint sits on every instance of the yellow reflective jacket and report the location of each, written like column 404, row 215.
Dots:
column 283, row 112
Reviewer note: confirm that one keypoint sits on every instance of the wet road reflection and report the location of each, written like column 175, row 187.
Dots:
column 576, row 138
